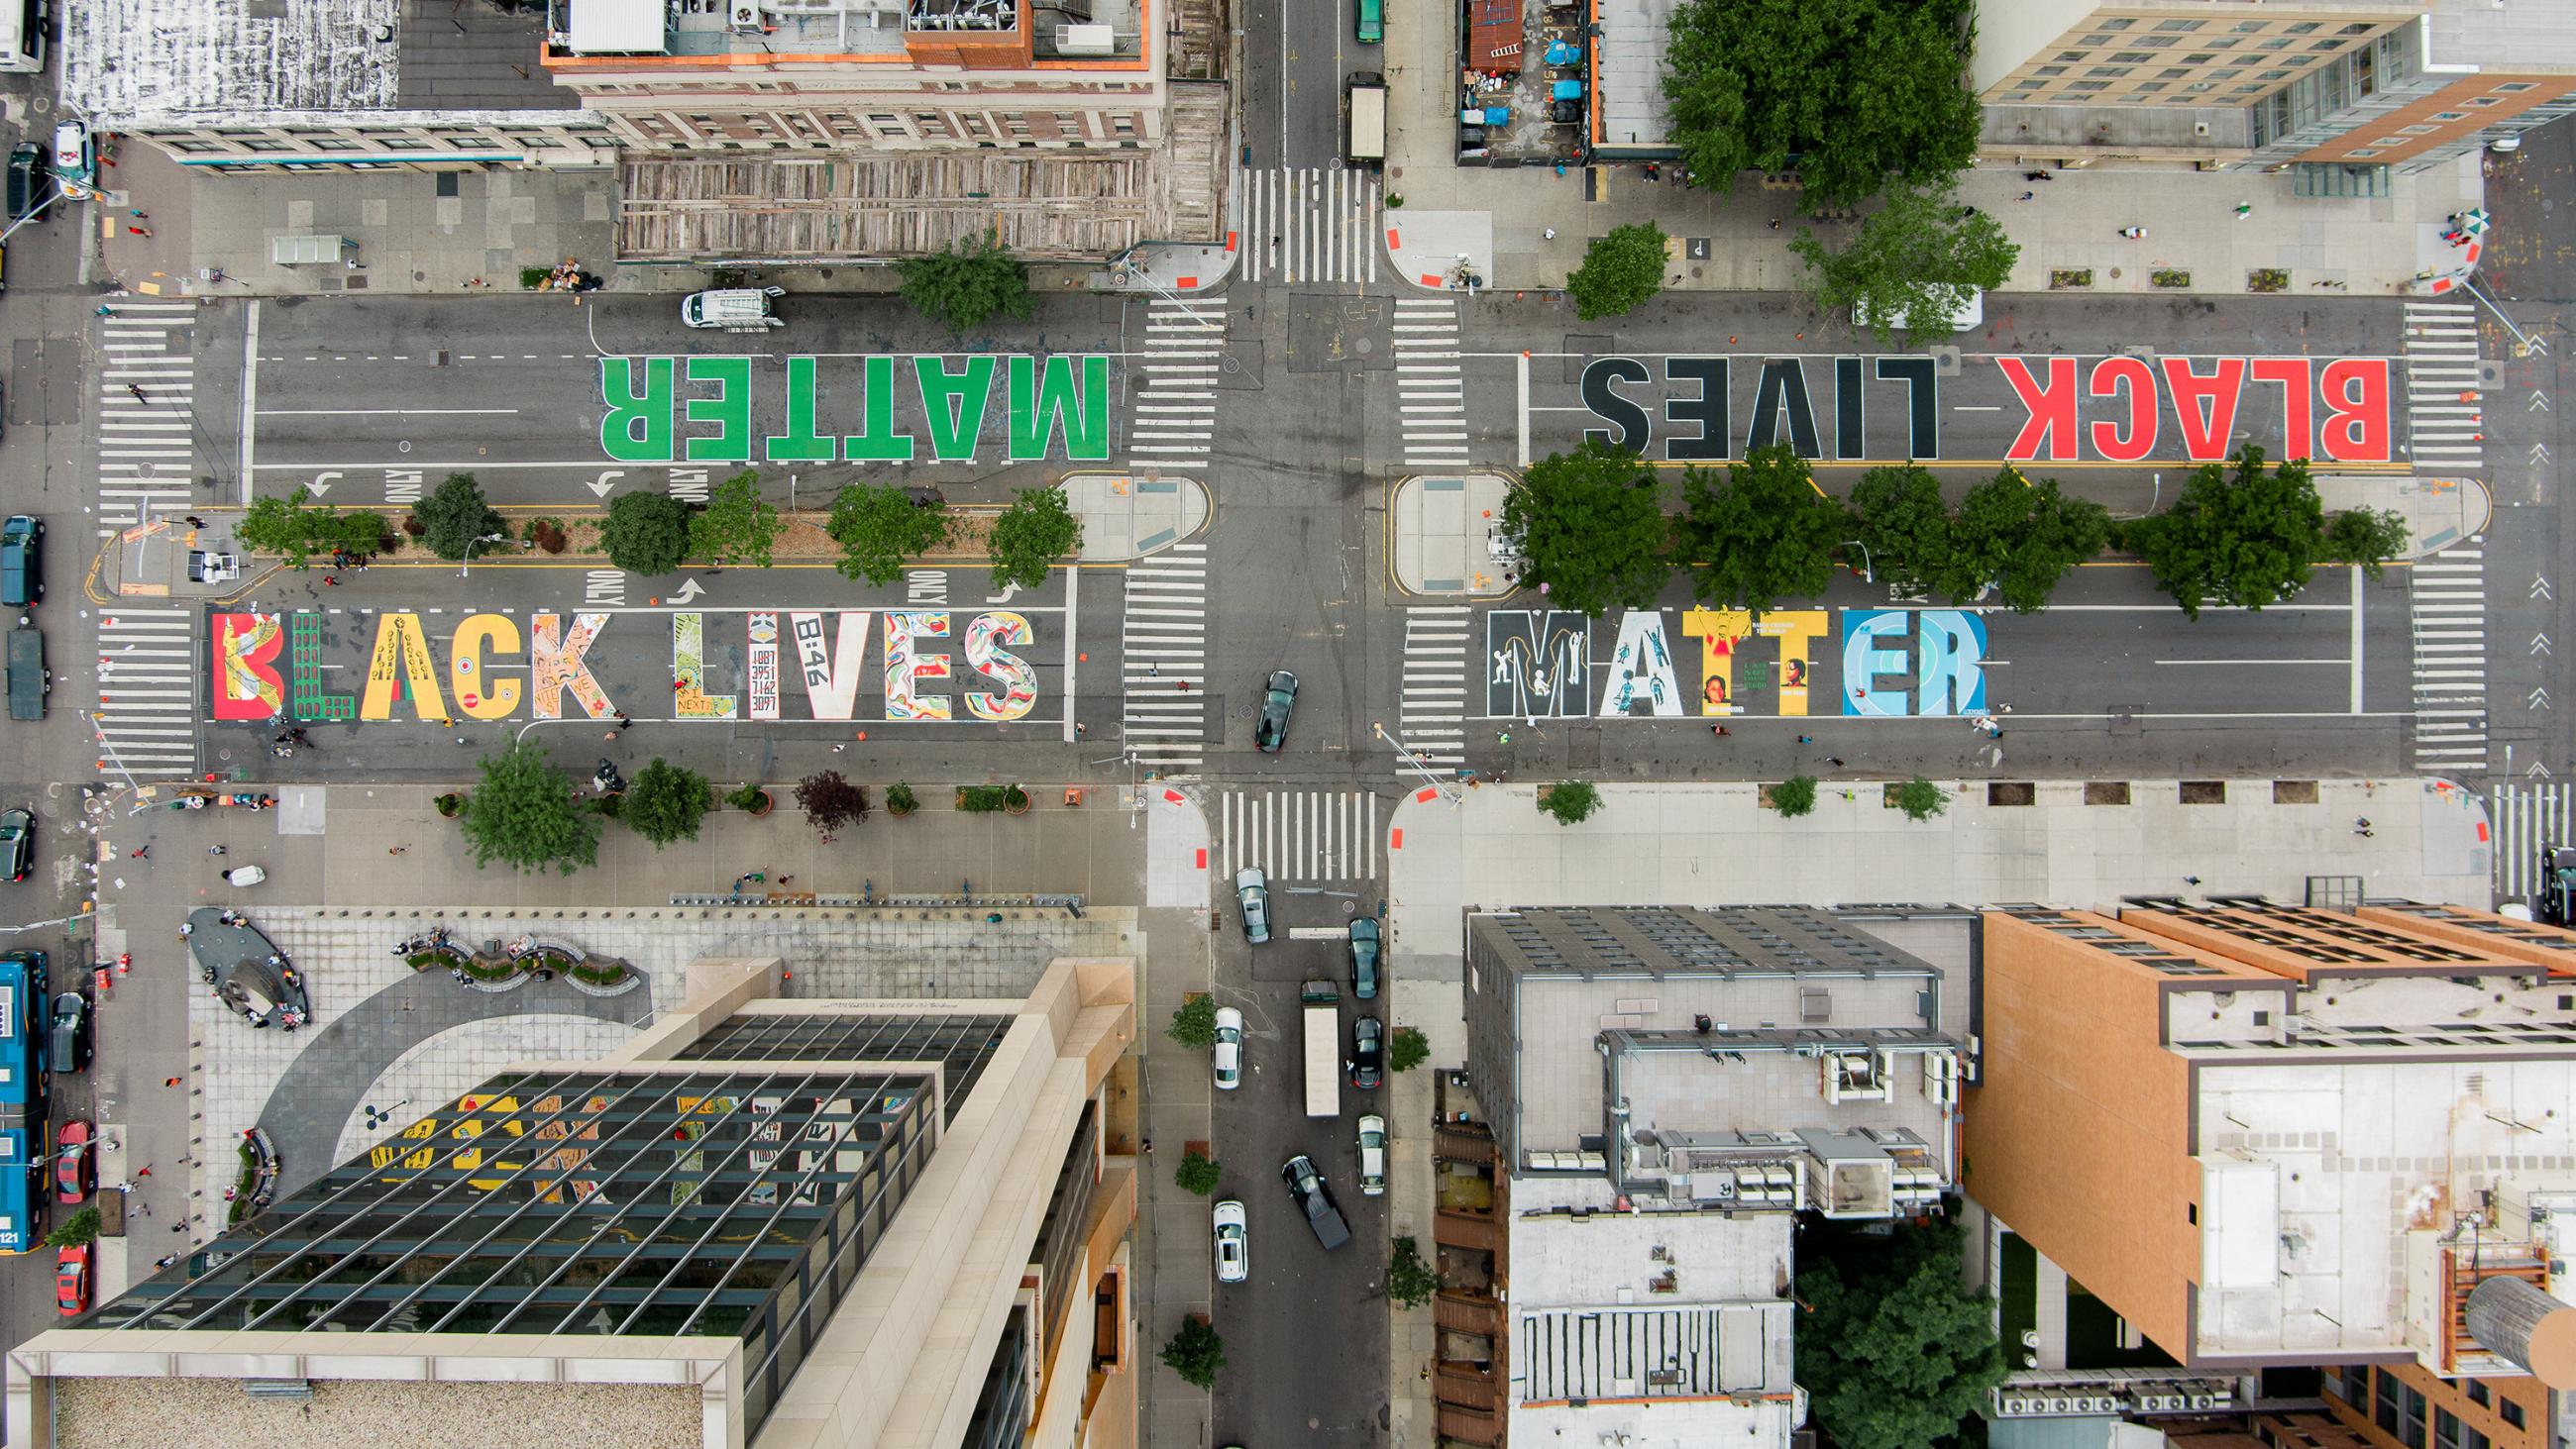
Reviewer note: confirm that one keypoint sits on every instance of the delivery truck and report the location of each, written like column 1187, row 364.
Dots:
column 1368, row 120
column 1323, row 1011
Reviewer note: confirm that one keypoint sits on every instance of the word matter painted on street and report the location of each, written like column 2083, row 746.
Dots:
column 2116, row 409
column 1892, row 663
column 825, row 651
column 650, row 419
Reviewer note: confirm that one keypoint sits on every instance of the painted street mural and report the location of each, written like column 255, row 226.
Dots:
column 893, row 666
column 926, row 408
column 1881, row 662
column 2060, row 409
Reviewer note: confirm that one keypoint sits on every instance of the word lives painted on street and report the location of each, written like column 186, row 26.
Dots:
column 1889, row 662
column 762, row 664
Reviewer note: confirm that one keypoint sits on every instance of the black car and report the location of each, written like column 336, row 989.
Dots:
column 71, row 1036
column 1277, row 703
column 1364, row 940
column 1314, row 1197
column 17, row 843
column 22, row 561
column 1368, row 1052
column 27, row 176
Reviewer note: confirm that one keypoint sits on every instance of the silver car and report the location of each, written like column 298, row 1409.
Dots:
column 1228, row 1054
column 1252, row 889
column 1233, row 1243
column 1372, row 1156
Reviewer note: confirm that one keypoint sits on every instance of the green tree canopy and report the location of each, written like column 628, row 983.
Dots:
column 524, row 816
column 1907, row 267
column 2244, row 536
column 1194, row 1023
column 78, row 1230
column 1620, row 271
column 1196, row 1353
column 455, row 517
column 1198, row 1174
column 1409, row 1280
column 1036, row 530
column 1899, row 516
column 646, row 533
column 665, row 802
column 1592, row 529
column 736, row 523
column 1571, row 801
column 1920, row 799
column 2369, row 537
column 1895, row 1350
column 2023, row 538
column 293, row 526
column 1846, row 91
column 879, row 527
column 1405, row 1049
column 1760, row 532
column 974, row 279
column 1794, row 796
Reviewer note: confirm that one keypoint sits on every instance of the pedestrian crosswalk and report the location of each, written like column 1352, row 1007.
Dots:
column 1430, row 391
column 2447, row 600
column 1164, row 635
column 1309, row 224
column 147, row 443
column 1435, row 690
column 1298, row 835
column 2444, row 424
column 145, row 717
column 2526, row 817
column 1176, row 405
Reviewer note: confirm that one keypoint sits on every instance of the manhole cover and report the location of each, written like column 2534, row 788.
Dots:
column 1366, row 346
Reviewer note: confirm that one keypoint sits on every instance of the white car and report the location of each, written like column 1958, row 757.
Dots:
column 1229, row 1048
column 75, row 160
column 1233, row 1243
column 1372, row 1156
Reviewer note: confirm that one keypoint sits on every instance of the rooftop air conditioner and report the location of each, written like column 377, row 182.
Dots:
column 2208, row 1401
column 1085, row 40
column 2016, row 1406
column 746, row 17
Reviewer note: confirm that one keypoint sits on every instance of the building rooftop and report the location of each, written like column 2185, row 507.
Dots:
column 1629, row 106
column 2480, row 34
column 796, row 32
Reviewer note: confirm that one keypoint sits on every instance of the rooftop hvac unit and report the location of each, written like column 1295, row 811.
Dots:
column 746, row 17
column 1085, row 40
column 2209, row 1401
column 2016, row 1406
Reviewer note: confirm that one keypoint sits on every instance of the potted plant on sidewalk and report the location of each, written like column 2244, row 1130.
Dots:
column 900, row 801
column 750, row 799
column 448, row 804
column 1015, row 799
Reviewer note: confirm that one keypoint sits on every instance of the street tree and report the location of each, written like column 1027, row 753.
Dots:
column 1855, row 90
column 972, row 280
column 78, row 1230
column 1911, row 263
column 646, row 533
column 736, row 523
column 1196, row 1353
column 1794, row 796
column 1620, row 271
column 2244, row 535
column 1406, row 1048
column 1194, row 1023
column 1571, row 801
column 880, row 528
column 297, row 528
column 1894, row 1349
column 665, row 802
column 1030, row 535
column 1409, row 1280
column 455, row 518
column 1592, row 529
column 2369, row 537
column 524, row 815
column 1902, row 524
column 1920, row 799
column 830, row 802
column 1198, row 1174
column 2021, row 537
column 1758, row 533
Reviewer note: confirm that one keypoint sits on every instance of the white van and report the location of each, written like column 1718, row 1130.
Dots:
column 733, row 308
column 1967, row 310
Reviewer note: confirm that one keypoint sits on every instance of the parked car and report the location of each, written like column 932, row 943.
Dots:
column 22, row 562
column 1233, row 1242
column 18, row 842
column 29, row 680
column 1368, row 1052
column 76, row 159
column 75, row 1165
column 71, row 1280
column 26, row 179
column 1372, row 1156
column 1364, row 957
column 1279, row 702
column 70, row 1048
column 1314, row 1198
column 1228, row 1055
column 1369, row 26
column 1252, row 888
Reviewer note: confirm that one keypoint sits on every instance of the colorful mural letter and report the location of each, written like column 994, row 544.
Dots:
column 246, row 683
column 469, row 674
column 904, row 665
column 1865, row 661
column 1717, row 630
column 1795, row 630
column 399, row 668
column 1541, row 664
column 1947, row 674
column 762, row 664
column 984, row 655
column 555, row 665
column 832, row 674
column 1641, row 669
column 689, row 696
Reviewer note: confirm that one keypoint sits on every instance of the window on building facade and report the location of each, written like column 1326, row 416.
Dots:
column 2478, row 1393
column 2306, row 27
column 2049, row 70
column 2113, row 71
column 2357, row 29
column 2511, row 1411
column 2481, row 101
column 2518, row 86
column 2361, row 155
column 2178, row 24
column 2400, row 1412
column 2150, row 87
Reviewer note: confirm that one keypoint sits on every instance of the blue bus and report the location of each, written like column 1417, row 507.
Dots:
column 23, row 1101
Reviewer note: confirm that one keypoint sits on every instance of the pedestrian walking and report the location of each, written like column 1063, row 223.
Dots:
column 1184, row 686
column 331, row 580
column 1719, row 730
column 2191, row 880
column 1775, row 223
column 2037, row 176
column 1153, row 671
column 166, row 1261
column 2362, row 821
column 141, row 231
column 140, row 852
column 1502, row 737
column 1806, row 739
column 2027, row 196
column 396, row 849
column 784, row 879
column 178, row 1227
column 170, row 1081
column 230, row 1192
column 2134, row 233
column 142, row 1208
column 1834, row 760
column 2244, row 209
column 137, row 213
column 136, row 388
column 146, row 1172
column 106, row 311
column 218, row 850
column 195, row 522
column 1148, row 1145
column 1548, row 235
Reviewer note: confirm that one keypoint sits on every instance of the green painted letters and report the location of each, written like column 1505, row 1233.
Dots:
column 800, row 443
column 637, row 426
column 876, row 441
column 729, row 410
column 954, row 403
column 1038, row 409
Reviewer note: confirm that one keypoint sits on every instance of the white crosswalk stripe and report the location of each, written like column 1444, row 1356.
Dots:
column 146, row 444
column 1175, row 416
column 145, row 710
column 1430, row 389
column 1164, row 666
column 1435, row 686
column 2445, row 426
column 2526, row 817
column 1309, row 225
column 1298, row 835
column 2447, row 598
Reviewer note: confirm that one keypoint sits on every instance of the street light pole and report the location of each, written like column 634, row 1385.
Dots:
column 1868, row 575
column 1446, row 793
column 469, row 550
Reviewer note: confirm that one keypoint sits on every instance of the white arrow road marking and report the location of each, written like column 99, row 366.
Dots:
column 687, row 590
